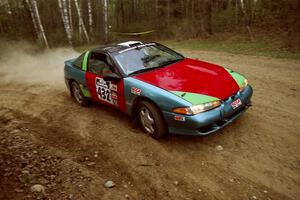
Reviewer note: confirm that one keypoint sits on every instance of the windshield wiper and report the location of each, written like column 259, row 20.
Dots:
column 170, row 62
column 141, row 70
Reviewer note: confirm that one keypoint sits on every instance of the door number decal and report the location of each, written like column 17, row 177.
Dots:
column 107, row 91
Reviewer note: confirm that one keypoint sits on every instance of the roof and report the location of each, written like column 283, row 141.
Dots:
column 116, row 47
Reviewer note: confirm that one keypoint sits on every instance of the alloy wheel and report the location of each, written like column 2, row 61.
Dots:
column 147, row 120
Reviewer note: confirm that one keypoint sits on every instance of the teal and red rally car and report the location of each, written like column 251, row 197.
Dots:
column 165, row 91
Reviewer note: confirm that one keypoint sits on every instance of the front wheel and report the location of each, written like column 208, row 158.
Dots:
column 151, row 120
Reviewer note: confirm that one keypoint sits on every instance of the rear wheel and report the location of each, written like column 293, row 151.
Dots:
column 78, row 95
column 151, row 120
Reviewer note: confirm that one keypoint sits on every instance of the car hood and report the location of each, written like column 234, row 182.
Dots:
column 194, row 77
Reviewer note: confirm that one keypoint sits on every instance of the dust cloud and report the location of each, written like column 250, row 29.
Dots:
column 22, row 62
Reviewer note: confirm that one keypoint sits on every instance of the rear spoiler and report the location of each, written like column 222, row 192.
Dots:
column 70, row 61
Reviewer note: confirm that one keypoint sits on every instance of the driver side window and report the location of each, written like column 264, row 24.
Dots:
column 98, row 64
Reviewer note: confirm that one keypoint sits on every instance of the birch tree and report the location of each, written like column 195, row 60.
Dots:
column 90, row 16
column 247, row 19
column 122, row 12
column 81, row 23
column 105, row 19
column 65, row 18
column 193, row 18
column 156, row 8
column 236, row 13
column 84, row 20
column 70, row 15
column 34, row 20
column 37, row 20
column 168, row 12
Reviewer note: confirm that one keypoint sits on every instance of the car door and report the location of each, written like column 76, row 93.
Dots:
column 104, row 89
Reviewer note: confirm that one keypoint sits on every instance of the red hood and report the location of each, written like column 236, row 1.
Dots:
column 194, row 76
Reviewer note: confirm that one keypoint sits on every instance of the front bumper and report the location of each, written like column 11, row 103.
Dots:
column 212, row 120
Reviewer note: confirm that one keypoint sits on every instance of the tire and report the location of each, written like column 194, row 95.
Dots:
column 151, row 120
column 77, row 94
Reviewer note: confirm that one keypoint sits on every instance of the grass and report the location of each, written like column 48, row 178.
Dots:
column 266, row 48
column 256, row 48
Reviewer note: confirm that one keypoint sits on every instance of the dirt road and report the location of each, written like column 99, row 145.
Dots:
column 260, row 157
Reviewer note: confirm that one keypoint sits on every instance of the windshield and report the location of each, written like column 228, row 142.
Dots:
column 146, row 58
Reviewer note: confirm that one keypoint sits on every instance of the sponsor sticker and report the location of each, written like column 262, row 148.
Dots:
column 114, row 96
column 235, row 104
column 179, row 118
column 113, row 87
column 136, row 91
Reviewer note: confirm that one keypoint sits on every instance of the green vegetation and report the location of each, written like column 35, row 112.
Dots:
column 262, row 47
column 236, row 46
column 204, row 23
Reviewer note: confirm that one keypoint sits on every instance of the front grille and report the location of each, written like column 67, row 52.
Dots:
column 220, row 123
column 232, row 97
column 235, row 113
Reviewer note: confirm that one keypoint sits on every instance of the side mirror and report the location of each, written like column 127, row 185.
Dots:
column 111, row 77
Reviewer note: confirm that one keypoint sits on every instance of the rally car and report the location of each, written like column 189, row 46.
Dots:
column 165, row 91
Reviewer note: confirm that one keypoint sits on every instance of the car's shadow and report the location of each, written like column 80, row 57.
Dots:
column 172, row 139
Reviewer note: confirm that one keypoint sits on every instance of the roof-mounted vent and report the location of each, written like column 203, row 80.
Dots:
column 130, row 43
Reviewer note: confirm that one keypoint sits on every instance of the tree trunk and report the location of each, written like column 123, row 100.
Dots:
column 132, row 13
column 182, row 6
column 122, row 12
column 90, row 17
column 70, row 15
column 236, row 14
column 187, row 9
column 61, row 13
column 65, row 18
column 209, row 17
column 202, row 18
column 156, row 9
column 34, row 22
column 1, row 28
column 193, row 18
column 81, row 23
column 105, row 17
column 246, row 19
column 168, row 12
column 39, row 22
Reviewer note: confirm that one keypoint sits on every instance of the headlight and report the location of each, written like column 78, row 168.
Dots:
column 193, row 110
column 244, row 85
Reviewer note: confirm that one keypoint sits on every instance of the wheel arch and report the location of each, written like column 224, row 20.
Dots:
column 136, row 102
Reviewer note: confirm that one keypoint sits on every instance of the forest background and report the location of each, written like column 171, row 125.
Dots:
column 249, row 26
